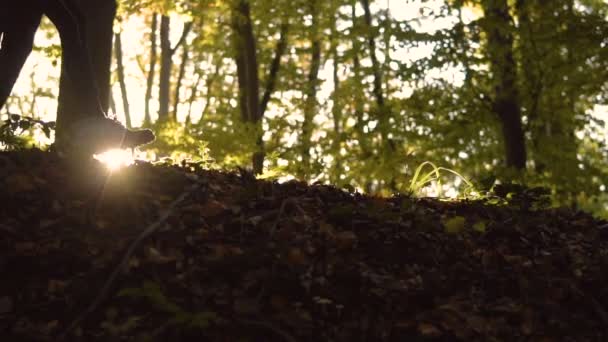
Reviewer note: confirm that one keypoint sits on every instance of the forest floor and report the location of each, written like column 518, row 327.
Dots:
column 173, row 253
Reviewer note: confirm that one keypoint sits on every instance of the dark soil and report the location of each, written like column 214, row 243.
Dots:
column 231, row 258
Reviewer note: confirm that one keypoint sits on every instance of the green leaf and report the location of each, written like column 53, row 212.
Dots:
column 480, row 227
column 454, row 225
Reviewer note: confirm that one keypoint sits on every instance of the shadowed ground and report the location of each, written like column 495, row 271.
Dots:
column 240, row 259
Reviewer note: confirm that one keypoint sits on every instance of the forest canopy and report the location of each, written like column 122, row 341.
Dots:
column 358, row 93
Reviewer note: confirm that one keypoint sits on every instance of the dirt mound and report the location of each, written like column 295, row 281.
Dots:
column 155, row 253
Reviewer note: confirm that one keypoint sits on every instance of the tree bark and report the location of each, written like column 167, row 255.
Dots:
column 247, row 74
column 336, row 108
column 377, row 71
column 358, row 96
column 193, row 95
column 120, row 70
column 180, row 77
column 166, row 65
column 274, row 67
column 246, row 59
column 310, row 103
column 506, row 104
column 152, row 69
column 165, row 69
column 208, row 87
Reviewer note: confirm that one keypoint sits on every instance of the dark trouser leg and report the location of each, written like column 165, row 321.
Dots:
column 82, row 128
column 76, row 63
column 17, row 43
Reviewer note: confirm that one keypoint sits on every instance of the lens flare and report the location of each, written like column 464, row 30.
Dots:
column 115, row 159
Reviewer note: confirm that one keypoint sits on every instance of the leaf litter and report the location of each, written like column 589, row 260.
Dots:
column 155, row 253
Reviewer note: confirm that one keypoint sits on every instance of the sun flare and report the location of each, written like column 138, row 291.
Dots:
column 115, row 159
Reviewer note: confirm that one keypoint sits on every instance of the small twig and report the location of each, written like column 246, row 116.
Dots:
column 279, row 215
column 125, row 259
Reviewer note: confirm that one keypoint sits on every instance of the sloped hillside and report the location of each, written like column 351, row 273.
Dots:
column 177, row 253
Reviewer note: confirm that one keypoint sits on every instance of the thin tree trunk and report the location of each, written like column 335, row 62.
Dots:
column 371, row 42
column 208, row 86
column 166, row 64
column 274, row 67
column 247, row 74
column 357, row 95
column 336, row 109
column 165, row 69
column 310, row 103
column 120, row 70
column 532, row 73
column 377, row 70
column 506, row 104
column 193, row 93
column 152, row 70
column 180, row 77
column 387, row 49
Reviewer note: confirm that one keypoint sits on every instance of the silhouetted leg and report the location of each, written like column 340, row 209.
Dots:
column 17, row 42
column 70, row 23
column 84, row 130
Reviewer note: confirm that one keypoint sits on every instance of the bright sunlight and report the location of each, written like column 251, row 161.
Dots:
column 116, row 159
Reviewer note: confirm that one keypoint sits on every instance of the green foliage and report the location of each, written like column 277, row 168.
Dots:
column 437, row 87
column 15, row 125
column 421, row 180
column 523, row 197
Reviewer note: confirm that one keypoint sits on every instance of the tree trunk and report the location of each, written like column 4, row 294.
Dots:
column 247, row 74
column 358, row 95
column 506, row 104
column 274, row 67
column 193, row 95
column 166, row 65
column 120, row 70
column 152, row 69
column 377, row 71
column 165, row 69
column 208, row 88
column 180, row 77
column 310, row 103
column 387, row 37
column 336, row 108
column 533, row 84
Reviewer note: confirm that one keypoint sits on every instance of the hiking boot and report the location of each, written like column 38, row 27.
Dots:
column 96, row 135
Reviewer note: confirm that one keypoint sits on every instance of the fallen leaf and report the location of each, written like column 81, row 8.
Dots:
column 296, row 256
column 429, row 330
column 212, row 208
column 345, row 240
column 480, row 227
column 454, row 225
